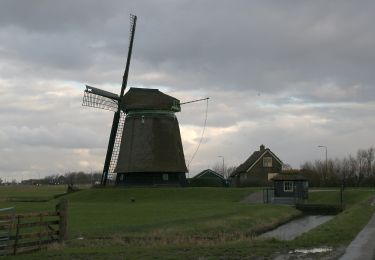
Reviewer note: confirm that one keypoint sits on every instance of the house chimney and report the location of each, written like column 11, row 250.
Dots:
column 262, row 148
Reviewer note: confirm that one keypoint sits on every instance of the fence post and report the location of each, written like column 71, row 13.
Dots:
column 40, row 230
column 63, row 219
column 17, row 235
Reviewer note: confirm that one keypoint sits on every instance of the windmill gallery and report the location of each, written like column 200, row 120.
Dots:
column 145, row 145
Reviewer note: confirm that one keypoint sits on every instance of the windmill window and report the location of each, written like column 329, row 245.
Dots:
column 288, row 186
column 267, row 161
column 165, row 176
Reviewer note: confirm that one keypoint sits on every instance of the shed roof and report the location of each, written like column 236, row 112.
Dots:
column 253, row 159
column 207, row 171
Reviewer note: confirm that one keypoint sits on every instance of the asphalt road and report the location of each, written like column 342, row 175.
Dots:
column 363, row 246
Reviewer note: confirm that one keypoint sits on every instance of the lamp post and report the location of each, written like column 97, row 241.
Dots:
column 222, row 157
column 325, row 147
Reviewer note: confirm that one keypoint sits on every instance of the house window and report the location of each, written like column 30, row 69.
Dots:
column 267, row 161
column 288, row 186
column 165, row 176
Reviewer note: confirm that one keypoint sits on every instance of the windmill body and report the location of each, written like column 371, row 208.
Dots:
column 144, row 146
column 151, row 150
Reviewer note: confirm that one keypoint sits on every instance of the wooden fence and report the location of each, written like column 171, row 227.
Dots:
column 22, row 233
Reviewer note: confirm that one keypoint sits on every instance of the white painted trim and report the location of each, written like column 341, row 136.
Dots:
column 272, row 154
column 205, row 171
column 292, row 186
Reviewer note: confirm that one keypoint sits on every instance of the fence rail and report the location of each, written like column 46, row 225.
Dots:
column 6, row 227
column 21, row 233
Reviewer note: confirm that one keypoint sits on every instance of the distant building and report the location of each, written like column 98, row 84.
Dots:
column 208, row 178
column 257, row 170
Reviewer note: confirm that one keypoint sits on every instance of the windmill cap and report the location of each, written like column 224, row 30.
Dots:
column 149, row 99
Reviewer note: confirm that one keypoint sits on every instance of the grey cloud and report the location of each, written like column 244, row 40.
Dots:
column 258, row 45
column 287, row 74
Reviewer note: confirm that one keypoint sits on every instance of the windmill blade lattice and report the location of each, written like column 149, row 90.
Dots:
column 133, row 19
column 116, row 146
column 98, row 100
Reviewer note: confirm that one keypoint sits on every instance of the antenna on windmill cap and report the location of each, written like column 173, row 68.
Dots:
column 192, row 101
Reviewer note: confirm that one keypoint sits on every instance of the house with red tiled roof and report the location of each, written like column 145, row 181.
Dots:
column 257, row 170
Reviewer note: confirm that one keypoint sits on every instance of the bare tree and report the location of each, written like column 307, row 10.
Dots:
column 370, row 156
column 225, row 172
column 286, row 167
column 358, row 170
column 361, row 162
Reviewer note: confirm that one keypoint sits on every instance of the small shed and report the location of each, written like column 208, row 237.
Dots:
column 208, row 178
column 290, row 186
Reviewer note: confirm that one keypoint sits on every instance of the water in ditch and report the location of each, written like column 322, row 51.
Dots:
column 296, row 227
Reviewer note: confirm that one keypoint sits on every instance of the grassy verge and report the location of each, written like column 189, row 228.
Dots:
column 192, row 223
column 345, row 226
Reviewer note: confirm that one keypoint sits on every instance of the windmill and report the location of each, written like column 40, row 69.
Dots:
column 145, row 145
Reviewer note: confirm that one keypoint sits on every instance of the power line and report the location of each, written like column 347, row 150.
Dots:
column 204, row 128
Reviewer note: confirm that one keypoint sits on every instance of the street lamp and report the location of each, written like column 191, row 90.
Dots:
column 223, row 163
column 325, row 147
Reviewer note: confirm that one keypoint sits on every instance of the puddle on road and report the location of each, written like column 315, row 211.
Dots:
column 294, row 228
column 312, row 250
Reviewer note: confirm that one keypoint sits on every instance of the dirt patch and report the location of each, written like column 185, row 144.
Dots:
column 256, row 197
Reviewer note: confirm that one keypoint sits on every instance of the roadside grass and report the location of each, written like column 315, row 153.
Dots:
column 342, row 229
column 350, row 196
column 191, row 223
column 339, row 231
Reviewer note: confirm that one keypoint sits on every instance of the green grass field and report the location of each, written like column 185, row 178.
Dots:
column 21, row 191
column 175, row 223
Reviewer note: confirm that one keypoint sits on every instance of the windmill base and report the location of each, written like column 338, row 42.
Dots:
column 151, row 179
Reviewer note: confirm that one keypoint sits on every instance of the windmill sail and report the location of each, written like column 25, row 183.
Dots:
column 98, row 98
column 117, row 115
column 117, row 144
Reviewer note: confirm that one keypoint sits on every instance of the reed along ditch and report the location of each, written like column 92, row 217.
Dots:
column 314, row 215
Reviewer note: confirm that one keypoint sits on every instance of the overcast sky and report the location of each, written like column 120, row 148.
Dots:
column 291, row 75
